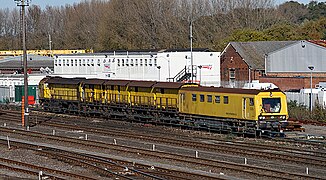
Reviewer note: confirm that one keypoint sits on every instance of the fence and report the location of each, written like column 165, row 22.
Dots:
column 303, row 99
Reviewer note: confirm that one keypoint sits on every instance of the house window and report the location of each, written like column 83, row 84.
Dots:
column 123, row 62
column 136, row 62
column 217, row 99
column 209, row 98
column 232, row 73
column 202, row 98
column 145, row 62
column 194, row 97
column 118, row 62
column 226, row 99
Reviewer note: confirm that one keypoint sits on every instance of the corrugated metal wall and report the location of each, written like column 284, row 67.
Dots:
column 297, row 58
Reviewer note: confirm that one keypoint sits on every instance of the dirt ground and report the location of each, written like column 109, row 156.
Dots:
column 315, row 130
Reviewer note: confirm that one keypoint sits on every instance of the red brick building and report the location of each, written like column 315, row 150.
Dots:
column 284, row 63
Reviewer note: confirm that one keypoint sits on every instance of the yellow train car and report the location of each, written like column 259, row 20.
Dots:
column 44, row 91
column 166, row 94
column 60, row 94
column 45, row 52
column 141, row 93
column 64, row 89
column 245, row 104
column 93, row 90
column 116, row 92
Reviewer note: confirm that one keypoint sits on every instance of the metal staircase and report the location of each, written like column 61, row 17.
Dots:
column 184, row 75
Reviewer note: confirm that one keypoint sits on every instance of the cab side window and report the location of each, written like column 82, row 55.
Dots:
column 251, row 102
column 209, row 98
column 217, row 99
column 194, row 97
column 226, row 99
column 202, row 98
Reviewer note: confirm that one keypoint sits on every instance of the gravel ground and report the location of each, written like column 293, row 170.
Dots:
column 30, row 157
column 315, row 130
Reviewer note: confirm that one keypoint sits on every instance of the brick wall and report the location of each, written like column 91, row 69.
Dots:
column 230, row 59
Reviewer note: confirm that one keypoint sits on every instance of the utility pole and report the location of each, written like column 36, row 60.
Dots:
column 191, row 39
column 50, row 44
column 22, row 4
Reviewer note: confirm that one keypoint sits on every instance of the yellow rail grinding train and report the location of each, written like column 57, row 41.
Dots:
column 246, row 111
column 45, row 52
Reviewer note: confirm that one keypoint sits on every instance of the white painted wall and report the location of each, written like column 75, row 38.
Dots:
column 141, row 66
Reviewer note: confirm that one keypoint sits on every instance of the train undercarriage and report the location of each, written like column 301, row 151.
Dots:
column 163, row 116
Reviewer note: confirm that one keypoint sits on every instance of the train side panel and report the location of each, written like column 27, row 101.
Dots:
column 222, row 105
column 249, row 105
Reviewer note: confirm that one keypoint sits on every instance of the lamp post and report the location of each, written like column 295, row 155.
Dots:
column 159, row 73
column 23, row 4
column 191, row 54
column 200, row 66
column 249, row 68
column 50, row 45
column 169, row 66
column 311, row 67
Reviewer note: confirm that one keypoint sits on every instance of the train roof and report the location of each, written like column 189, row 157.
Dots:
column 228, row 90
column 60, row 80
column 119, row 82
column 168, row 85
column 146, row 84
column 94, row 81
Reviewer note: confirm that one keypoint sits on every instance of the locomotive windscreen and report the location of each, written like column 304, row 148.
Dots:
column 272, row 105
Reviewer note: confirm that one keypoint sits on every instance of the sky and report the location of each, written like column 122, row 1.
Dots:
column 11, row 3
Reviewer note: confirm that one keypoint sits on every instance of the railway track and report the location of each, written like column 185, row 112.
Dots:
column 34, row 170
column 283, row 153
column 213, row 165
column 191, row 144
column 111, row 167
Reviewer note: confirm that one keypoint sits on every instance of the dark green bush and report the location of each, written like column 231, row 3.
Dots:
column 302, row 112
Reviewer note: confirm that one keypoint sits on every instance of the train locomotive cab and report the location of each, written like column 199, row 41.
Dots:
column 272, row 109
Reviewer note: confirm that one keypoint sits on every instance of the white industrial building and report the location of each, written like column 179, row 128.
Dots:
column 165, row 65
column 8, row 82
